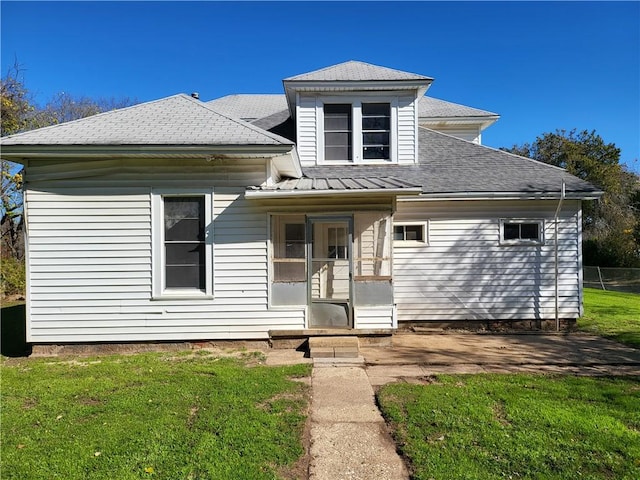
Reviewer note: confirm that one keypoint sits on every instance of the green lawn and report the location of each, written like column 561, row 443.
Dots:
column 612, row 314
column 517, row 427
column 154, row 416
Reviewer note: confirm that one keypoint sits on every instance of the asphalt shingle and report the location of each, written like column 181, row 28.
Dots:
column 449, row 165
column 175, row 120
column 354, row 71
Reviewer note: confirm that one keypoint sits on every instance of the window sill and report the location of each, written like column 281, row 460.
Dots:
column 182, row 296
column 409, row 243
column 520, row 243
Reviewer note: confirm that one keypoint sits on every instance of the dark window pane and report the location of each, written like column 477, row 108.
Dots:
column 398, row 232
column 376, row 123
column 337, row 108
column 376, row 109
column 414, row 232
column 191, row 276
column 376, row 153
column 184, row 242
column 511, row 231
column 529, row 231
column 378, row 138
column 184, row 218
column 294, row 240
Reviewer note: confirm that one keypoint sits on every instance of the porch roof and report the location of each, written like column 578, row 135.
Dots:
column 335, row 186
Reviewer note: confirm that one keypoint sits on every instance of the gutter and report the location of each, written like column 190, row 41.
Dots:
column 19, row 152
column 437, row 197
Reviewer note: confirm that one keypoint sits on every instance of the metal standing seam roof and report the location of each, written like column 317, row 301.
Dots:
column 355, row 71
column 307, row 184
column 175, row 120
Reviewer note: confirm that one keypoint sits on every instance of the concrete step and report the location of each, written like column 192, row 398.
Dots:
column 334, row 347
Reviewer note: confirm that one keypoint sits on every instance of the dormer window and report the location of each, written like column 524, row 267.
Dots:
column 376, row 131
column 356, row 132
column 338, row 132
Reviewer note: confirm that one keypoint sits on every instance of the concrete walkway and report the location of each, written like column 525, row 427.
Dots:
column 349, row 439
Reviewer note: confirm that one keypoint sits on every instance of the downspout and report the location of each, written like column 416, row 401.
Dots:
column 555, row 220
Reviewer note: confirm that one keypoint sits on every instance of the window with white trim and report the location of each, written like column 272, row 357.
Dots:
column 357, row 132
column 183, row 245
column 521, row 232
column 410, row 232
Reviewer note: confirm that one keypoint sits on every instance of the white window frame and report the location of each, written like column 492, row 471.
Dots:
column 356, row 128
column 522, row 241
column 158, row 271
column 408, row 243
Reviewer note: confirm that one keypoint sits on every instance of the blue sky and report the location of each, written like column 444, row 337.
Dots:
column 541, row 65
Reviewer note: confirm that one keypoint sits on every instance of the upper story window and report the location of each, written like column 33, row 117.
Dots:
column 338, row 132
column 357, row 132
column 376, row 131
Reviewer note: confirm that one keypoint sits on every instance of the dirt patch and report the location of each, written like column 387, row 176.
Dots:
column 300, row 469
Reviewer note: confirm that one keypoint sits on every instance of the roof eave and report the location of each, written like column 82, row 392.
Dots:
column 291, row 87
column 574, row 195
column 484, row 120
column 17, row 153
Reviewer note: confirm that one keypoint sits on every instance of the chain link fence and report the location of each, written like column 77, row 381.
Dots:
column 618, row 279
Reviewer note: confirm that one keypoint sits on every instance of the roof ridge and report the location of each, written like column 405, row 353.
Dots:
column 485, row 147
column 252, row 127
column 358, row 62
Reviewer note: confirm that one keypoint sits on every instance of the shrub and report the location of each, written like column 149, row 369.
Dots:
column 13, row 278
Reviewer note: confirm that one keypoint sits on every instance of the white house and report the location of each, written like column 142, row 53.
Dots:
column 352, row 201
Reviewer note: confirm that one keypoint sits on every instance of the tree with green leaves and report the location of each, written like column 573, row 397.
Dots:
column 19, row 113
column 611, row 225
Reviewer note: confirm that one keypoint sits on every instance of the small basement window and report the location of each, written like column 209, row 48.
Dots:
column 410, row 232
column 521, row 232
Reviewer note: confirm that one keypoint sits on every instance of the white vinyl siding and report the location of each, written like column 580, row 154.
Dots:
column 90, row 259
column 464, row 273
column 407, row 131
column 374, row 317
column 307, row 130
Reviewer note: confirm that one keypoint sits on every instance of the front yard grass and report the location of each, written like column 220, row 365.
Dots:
column 150, row 416
column 517, row 427
column 615, row 315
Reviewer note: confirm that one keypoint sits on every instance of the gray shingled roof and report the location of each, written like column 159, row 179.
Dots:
column 354, row 71
column 255, row 107
column 432, row 107
column 449, row 165
column 249, row 107
column 175, row 120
